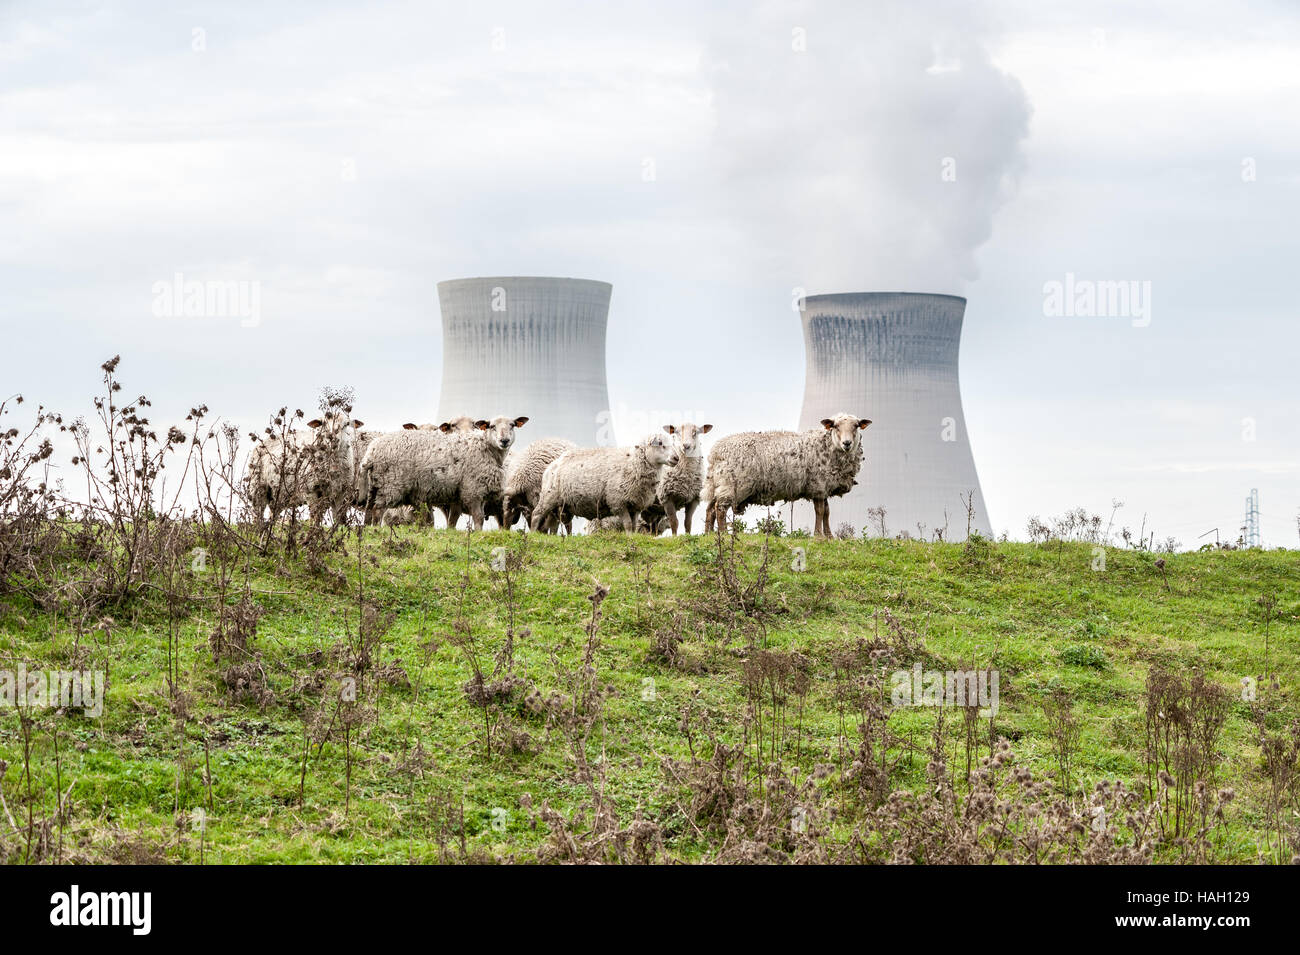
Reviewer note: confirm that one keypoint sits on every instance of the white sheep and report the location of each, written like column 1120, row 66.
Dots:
column 523, row 478
column 680, row 486
column 603, row 482
column 316, row 469
column 764, row 467
column 455, row 470
column 402, row 515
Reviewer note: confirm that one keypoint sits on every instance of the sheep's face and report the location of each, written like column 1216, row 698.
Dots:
column 500, row 431
column 463, row 423
column 687, row 438
column 845, row 430
column 336, row 429
column 660, row 451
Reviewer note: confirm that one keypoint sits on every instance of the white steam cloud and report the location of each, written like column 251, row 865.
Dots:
column 864, row 146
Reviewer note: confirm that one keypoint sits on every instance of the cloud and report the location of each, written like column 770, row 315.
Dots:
column 864, row 146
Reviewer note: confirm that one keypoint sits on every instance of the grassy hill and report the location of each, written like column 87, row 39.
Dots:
column 724, row 704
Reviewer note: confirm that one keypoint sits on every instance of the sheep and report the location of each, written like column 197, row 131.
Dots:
column 269, row 483
column 315, row 469
column 680, row 486
column 601, row 482
column 455, row 470
column 764, row 467
column 403, row 515
column 523, row 478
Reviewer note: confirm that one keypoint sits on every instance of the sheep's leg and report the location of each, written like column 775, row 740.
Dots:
column 453, row 514
column 476, row 515
column 710, row 515
column 670, row 508
column 822, row 510
column 568, row 525
column 723, row 514
column 370, row 510
column 629, row 520
column 690, row 512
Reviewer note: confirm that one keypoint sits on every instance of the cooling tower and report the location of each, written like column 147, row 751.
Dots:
column 892, row 357
column 526, row 346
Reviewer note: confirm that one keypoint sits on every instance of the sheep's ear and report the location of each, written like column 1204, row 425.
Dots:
column 482, row 425
column 863, row 422
column 670, row 429
column 357, row 424
column 445, row 427
column 705, row 428
column 315, row 423
column 412, row 427
column 520, row 422
column 827, row 423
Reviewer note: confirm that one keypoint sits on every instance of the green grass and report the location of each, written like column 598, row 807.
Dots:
column 1039, row 614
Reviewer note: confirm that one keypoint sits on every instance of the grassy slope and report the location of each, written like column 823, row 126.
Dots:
column 1019, row 612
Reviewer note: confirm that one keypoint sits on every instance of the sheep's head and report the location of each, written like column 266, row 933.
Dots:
column 660, row 450
column 845, row 429
column 336, row 422
column 336, row 429
column 500, row 431
column 687, row 437
column 462, row 423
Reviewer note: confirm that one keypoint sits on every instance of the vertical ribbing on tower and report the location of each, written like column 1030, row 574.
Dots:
column 892, row 357
column 534, row 346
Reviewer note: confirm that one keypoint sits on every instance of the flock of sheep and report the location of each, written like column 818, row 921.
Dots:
column 466, row 466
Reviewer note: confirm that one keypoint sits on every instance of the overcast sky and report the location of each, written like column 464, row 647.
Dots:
column 347, row 157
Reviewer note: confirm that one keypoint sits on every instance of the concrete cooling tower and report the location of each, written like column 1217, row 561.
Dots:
column 892, row 357
column 526, row 346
